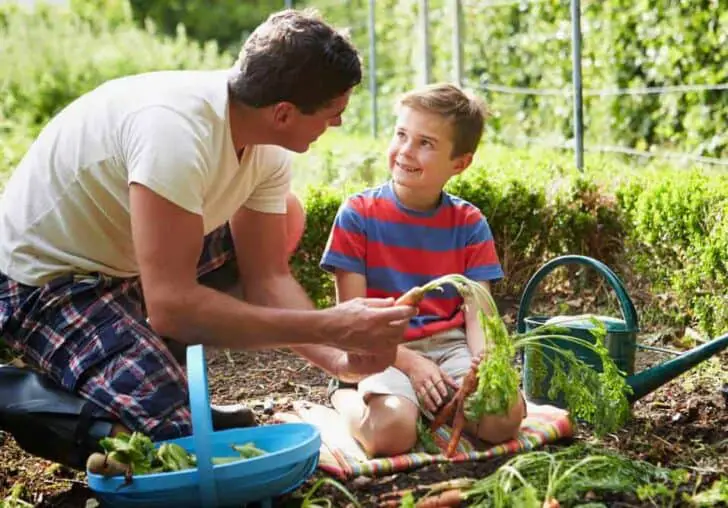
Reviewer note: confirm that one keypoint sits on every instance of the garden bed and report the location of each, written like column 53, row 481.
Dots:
column 684, row 424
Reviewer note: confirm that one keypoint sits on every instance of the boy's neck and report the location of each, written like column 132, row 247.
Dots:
column 416, row 201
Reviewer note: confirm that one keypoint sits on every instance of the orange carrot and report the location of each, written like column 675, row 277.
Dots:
column 444, row 414
column 412, row 297
column 458, row 425
column 455, row 408
column 447, row 499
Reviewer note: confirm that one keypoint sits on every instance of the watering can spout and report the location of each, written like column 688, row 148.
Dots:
column 649, row 380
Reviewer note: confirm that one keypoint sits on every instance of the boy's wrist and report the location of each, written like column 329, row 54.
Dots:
column 404, row 359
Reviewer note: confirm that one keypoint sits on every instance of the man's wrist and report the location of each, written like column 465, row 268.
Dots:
column 326, row 329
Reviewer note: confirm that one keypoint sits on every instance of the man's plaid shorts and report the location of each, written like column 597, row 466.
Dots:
column 89, row 334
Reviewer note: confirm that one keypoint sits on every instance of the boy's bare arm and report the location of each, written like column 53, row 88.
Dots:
column 168, row 241
column 349, row 285
column 473, row 331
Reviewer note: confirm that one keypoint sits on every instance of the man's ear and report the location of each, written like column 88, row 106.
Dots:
column 283, row 113
column 462, row 162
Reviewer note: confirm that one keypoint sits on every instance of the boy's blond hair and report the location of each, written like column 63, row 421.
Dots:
column 466, row 112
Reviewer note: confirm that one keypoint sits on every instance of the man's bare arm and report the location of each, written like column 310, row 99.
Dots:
column 351, row 285
column 168, row 242
column 266, row 279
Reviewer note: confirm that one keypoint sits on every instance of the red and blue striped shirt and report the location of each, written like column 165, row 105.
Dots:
column 396, row 249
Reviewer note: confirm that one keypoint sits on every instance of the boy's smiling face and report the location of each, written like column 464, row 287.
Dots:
column 420, row 155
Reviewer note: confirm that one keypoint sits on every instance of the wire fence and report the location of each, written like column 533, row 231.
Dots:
column 574, row 93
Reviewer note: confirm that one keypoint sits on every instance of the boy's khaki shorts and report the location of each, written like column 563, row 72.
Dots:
column 449, row 350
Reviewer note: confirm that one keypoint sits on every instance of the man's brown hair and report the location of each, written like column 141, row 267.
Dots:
column 466, row 112
column 294, row 56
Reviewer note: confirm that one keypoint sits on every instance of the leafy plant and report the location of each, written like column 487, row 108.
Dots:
column 716, row 495
column 599, row 398
column 13, row 499
column 425, row 437
column 529, row 479
column 309, row 501
column 664, row 494
column 136, row 454
column 542, row 479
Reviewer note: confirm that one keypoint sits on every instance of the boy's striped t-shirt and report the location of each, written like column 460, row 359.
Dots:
column 396, row 249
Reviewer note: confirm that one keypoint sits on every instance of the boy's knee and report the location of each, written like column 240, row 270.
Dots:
column 389, row 430
column 499, row 429
column 392, row 437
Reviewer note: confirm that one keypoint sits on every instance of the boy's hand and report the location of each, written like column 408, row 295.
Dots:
column 477, row 358
column 430, row 382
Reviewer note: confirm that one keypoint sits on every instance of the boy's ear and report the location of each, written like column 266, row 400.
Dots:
column 462, row 162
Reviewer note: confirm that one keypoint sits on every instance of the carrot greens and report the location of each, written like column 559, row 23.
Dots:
column 537, row 478
column 599, row 398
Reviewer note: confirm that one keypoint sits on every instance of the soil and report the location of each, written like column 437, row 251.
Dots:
column 682, row 424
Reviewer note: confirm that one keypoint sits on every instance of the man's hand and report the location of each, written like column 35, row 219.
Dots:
column 430, row 382
column 369, row 325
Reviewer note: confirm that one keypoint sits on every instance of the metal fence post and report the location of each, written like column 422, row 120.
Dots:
column 424, row 16
column 373, row 67
column 576, row 67
column 457, row 44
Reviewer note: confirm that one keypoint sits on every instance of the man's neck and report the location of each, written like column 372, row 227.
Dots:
column 248, row 127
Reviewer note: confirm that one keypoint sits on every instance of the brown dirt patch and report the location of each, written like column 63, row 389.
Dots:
column 683, row 424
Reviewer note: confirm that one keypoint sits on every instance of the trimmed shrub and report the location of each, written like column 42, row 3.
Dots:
column 664, row 230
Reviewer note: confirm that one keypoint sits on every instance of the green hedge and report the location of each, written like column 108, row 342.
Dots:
column 51, row 55
column 228, row 22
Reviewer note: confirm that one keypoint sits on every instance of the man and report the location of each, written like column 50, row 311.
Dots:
column 141, row 186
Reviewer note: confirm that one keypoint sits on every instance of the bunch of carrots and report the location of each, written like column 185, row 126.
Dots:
column 599, row 398
column 537, row 479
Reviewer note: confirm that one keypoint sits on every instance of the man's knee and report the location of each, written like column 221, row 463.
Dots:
column 296, row 222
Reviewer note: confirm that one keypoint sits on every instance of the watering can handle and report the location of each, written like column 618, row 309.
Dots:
column 201, row 423
column 628, row 311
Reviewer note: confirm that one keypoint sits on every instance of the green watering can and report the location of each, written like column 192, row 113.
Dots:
column 621, row 339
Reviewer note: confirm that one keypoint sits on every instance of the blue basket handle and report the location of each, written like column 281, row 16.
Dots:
column 201, row 423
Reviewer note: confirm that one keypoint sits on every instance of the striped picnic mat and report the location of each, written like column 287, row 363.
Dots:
column 343, row 458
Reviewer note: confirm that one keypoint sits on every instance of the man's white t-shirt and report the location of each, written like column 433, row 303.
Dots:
column 66, row 206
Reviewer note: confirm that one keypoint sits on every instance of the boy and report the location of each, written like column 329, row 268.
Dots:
column 403, row 234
